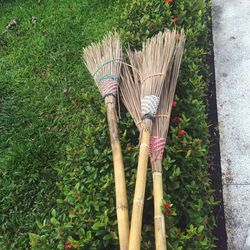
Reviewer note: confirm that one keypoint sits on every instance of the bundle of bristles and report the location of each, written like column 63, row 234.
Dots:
column 147, row 82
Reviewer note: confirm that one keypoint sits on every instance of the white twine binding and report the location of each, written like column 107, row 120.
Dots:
column 149, row 105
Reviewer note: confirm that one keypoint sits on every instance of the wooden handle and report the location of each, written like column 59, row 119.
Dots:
column 120, row 183
column 159, row 219
column 137, row 211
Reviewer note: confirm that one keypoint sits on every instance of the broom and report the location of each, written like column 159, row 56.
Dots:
column 158, row 141
column 155, row 58
column 103, row 60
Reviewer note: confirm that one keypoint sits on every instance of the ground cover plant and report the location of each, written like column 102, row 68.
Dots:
column 56, row 174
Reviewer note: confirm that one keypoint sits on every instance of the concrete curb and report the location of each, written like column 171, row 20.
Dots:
column 231, row 25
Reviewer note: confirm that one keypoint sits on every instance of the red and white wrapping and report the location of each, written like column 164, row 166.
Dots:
column 157, row 145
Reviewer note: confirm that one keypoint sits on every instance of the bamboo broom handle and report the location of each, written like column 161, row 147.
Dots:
column 159, row 219
column 120, row 183
column 137, row 211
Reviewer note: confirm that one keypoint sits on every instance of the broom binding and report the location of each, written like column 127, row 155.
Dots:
column 149, row 105
column 153, row 75
column 157, row 145
column 104, row 64
column 108, row 87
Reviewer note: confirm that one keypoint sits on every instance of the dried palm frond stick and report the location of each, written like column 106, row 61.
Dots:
column 158, row 140
column 155, row 58
column 103, row 60
column 130, row 86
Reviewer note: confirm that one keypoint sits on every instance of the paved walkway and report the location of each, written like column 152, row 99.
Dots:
column 231, row 31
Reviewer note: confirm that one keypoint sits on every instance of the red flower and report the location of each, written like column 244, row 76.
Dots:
column 174, row 104
column 182, row 132
column 68, row 245
column 169, row 1
column 168, row 206
column 176, row 120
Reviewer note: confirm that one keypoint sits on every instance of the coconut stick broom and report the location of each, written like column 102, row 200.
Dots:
column 103, row 60
column 155, row 58
column 158, row 141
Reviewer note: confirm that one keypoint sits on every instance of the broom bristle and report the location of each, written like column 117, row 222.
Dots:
column 151, row 64
column 162, row 118
column 103, row 60
column 156, row 57
column 130, row 86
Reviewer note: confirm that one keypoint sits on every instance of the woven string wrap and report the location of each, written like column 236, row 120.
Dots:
column 107, row 83
column 108, row 86
column 114, row 60
column 149, row 105
column 157, row 145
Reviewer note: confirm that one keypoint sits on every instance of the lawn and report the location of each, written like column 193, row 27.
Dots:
column 56, row 174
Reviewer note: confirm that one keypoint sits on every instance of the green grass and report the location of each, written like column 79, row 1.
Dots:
column 42, row 84
column 56, row 174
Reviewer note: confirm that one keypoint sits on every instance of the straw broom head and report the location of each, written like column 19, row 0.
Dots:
column 150, row 65
column 162, row 118
column 130, row 86
column 156, row 57
column 103, row 60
